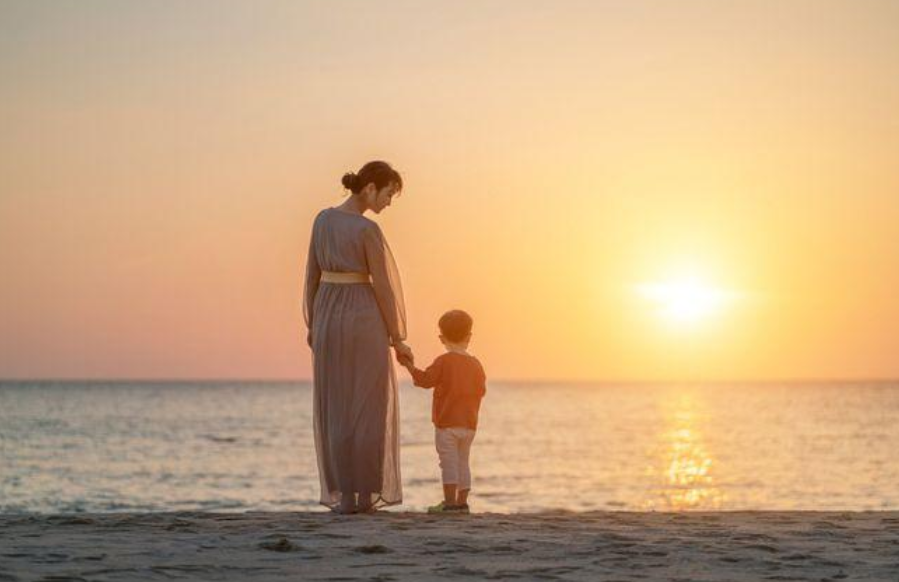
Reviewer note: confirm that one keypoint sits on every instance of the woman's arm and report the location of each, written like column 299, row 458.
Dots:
column 310, row 288
column 386, row 283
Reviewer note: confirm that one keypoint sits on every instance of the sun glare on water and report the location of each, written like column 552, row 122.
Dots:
column 685, row 300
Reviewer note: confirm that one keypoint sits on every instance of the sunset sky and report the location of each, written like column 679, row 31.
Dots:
column 567, row 164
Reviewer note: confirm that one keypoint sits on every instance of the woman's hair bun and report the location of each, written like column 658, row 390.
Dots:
column 349, row 181
column 378, row 173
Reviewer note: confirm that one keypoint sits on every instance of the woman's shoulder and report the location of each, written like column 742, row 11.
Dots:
column 321, row 215
column 333, row 211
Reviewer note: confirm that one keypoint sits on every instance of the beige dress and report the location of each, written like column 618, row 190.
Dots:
column 355, row 408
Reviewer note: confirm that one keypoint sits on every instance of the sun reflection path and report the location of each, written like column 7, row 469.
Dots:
column 685, row 469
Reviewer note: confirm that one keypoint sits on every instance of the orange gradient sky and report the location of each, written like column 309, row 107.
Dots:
column 161, row 163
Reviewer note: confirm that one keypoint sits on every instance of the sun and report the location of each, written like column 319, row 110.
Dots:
column 685, row 300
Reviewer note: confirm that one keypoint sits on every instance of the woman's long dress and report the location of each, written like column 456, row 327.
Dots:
column 356, row 414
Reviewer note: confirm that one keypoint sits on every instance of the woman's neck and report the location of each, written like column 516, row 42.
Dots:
column 354, row 205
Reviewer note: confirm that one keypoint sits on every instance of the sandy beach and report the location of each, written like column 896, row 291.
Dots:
column 413, row 546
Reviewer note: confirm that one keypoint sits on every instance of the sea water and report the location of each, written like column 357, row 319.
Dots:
column 235, row 446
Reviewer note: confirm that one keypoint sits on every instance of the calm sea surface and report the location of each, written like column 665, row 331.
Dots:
column 144, row 446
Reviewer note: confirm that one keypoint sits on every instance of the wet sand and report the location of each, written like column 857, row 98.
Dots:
column 717, row 546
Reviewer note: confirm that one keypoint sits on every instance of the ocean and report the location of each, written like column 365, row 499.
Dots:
column 110, row 446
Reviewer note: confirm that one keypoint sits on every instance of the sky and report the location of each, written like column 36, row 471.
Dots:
column 161, row 164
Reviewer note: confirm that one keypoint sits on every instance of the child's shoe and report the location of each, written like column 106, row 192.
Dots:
column 443, row 507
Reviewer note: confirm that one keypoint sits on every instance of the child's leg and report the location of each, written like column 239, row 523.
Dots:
column 465, row 438
column 449, row 493
column 449, row 463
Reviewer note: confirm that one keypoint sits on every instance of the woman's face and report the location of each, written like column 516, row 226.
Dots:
column 378, row 200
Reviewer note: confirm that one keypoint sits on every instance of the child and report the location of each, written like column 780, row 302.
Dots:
column 459, row 384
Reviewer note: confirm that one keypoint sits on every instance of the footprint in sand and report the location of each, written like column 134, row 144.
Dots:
column 373, row 549
column 280, row 545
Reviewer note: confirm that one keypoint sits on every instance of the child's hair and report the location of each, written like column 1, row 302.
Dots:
column 455, row 325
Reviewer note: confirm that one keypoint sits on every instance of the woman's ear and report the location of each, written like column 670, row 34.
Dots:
column 369, row 188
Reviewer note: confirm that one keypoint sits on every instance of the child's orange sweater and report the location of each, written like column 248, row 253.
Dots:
column 459, row 383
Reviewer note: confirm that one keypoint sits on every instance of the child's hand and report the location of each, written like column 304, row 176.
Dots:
column 406, row 360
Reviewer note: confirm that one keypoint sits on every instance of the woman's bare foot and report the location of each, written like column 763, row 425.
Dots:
column 347, row 504
column 341, row 511
column 365, row 503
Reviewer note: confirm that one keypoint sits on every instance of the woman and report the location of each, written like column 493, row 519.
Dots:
column 353, row 307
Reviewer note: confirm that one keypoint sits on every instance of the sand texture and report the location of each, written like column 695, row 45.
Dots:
column 610, row 546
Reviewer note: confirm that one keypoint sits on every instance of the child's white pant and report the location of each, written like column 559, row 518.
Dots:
column 453, row 447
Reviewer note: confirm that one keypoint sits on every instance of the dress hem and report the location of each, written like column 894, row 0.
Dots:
column 379, row 503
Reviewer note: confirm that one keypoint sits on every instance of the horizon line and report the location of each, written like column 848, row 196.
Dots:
column 598, row 381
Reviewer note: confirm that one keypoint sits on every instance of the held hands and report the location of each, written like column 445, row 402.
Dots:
column 404, row 355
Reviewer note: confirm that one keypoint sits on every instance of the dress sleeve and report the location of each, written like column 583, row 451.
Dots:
column 427, row 378
column 313, row 276
column 385, row 277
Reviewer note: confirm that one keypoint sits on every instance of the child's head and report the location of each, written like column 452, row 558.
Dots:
column 455, row 327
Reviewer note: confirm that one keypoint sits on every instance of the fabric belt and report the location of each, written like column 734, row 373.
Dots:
column 339, row 277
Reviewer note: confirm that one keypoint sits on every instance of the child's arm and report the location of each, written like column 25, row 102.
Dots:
column 426, row 378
